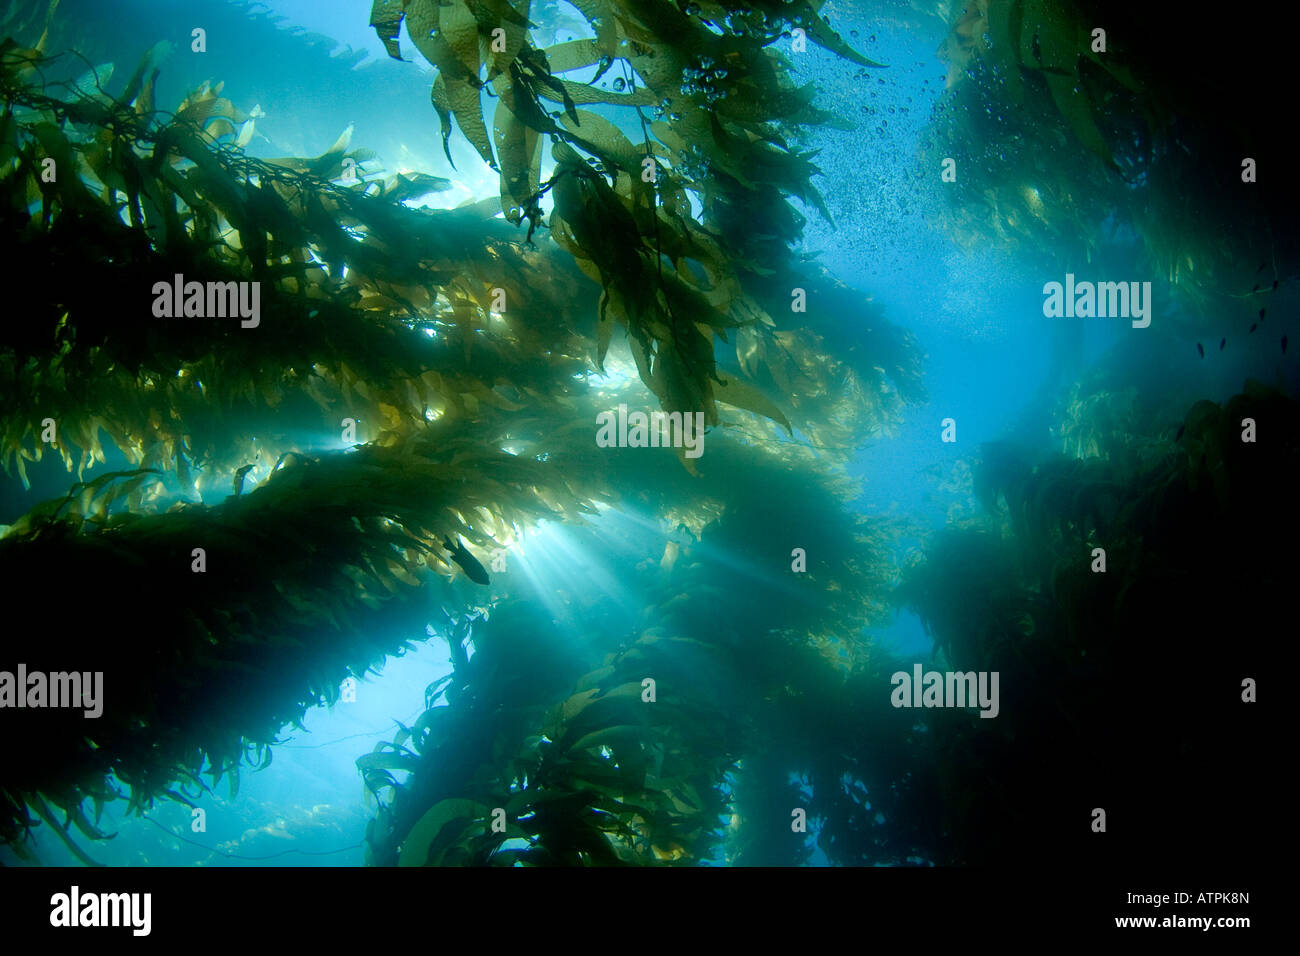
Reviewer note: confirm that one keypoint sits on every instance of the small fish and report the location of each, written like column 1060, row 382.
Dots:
column 1222, row 343
column 1284, row 345
column 1261, row 267
column 1254, row 327
column 1181, row 428
column 1200, row 350
column 1261, row 315
column 1255, row 287
column 468, row 563
column 239, row 479
column 1274, row 285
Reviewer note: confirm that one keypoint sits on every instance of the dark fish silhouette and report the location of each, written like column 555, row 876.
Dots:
column 1274, row 285
column 1284, row 345
column 1181, row 428
column 1254, row 326
column 1255, row 287
column 1200, row 350
column 1261, row 315
column 468, row 563
column 1222, row 343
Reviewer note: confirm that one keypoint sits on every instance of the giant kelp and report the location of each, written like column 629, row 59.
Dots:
column 1062, row 145
column 1105, row 697
column 295, row 573
column 337, row 262
column 600, row 778
column 165, row 391
column 723, row 108
column 585, row 769
column 464, row 346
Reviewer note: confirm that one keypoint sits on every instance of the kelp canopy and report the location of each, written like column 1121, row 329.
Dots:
column 1077, row 124
column 1122, row 688
column 468, row 348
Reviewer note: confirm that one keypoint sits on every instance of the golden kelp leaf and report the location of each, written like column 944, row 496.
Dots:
column 443, row 823
column 674, row 851
column 669, row 136
column 1074, row 106
column 598, row 135
column 463, row 101
column 687, row 463
column 386, row 18
column 593, row 679
column 514, row 12
column 576, row 704
column 466, row 316
column 423, row 23
column 573, row 55
column 617, row 736
column 442, row 107
column 375, row 302
column 135, row 85
column 404, row 187
column 45, row 31
column 328, row 165
column 643, row 365
column 671, row 550
column 55, row 145
column 582, row 93
column 459, row 28
column 520, row 150
column 501, row 15
column 104, row 499
column 601, row 19
column 604, row 334
column 205, row 106
column 386, row 760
